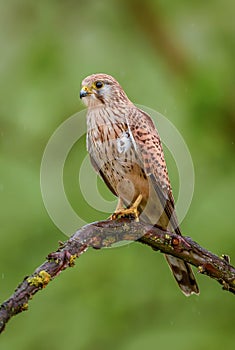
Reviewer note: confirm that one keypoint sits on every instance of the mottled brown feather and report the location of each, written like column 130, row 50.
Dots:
column 125, row 149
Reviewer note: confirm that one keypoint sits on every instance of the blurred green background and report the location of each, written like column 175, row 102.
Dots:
column 175, row 57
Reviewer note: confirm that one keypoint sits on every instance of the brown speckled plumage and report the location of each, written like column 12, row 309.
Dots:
column 125, row 149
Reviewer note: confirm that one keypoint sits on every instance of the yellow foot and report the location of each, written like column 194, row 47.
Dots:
column 133, row 210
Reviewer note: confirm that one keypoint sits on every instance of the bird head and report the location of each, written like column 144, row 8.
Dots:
column 102, row 89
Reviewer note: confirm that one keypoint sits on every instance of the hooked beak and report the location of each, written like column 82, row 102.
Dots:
column 85, row 91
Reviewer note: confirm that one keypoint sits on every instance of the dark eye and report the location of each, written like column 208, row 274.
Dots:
column 99, row 84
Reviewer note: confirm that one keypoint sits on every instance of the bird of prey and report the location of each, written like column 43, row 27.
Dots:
column 126, row 150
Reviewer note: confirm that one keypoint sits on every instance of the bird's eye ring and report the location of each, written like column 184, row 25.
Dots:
column 99, row 84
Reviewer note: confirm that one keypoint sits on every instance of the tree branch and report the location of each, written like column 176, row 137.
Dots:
column 104, row 234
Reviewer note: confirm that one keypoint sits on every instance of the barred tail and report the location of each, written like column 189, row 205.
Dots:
column 183, row 274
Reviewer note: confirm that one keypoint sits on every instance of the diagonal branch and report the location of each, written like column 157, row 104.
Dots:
column 104, row 234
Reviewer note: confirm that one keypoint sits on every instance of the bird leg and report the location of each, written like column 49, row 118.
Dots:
column 133, row 210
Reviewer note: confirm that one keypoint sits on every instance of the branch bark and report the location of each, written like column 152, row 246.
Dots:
column 104, row 234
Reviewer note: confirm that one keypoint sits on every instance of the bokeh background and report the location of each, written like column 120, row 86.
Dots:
column 176, row 57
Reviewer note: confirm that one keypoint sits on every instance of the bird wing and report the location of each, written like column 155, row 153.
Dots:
column 97, row 168
column 102, row 175
column 149, row 150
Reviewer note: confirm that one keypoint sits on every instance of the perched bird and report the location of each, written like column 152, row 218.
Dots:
column 125, row 149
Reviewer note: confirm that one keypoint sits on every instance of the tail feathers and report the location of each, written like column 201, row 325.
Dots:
column 183, row 274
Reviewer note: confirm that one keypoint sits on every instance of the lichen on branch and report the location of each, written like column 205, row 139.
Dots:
column 105, row 234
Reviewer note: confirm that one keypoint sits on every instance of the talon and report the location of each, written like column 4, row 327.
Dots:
column 113, row 216
column 133, row 210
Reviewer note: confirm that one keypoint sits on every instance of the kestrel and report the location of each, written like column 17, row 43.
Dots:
column 125, row 149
